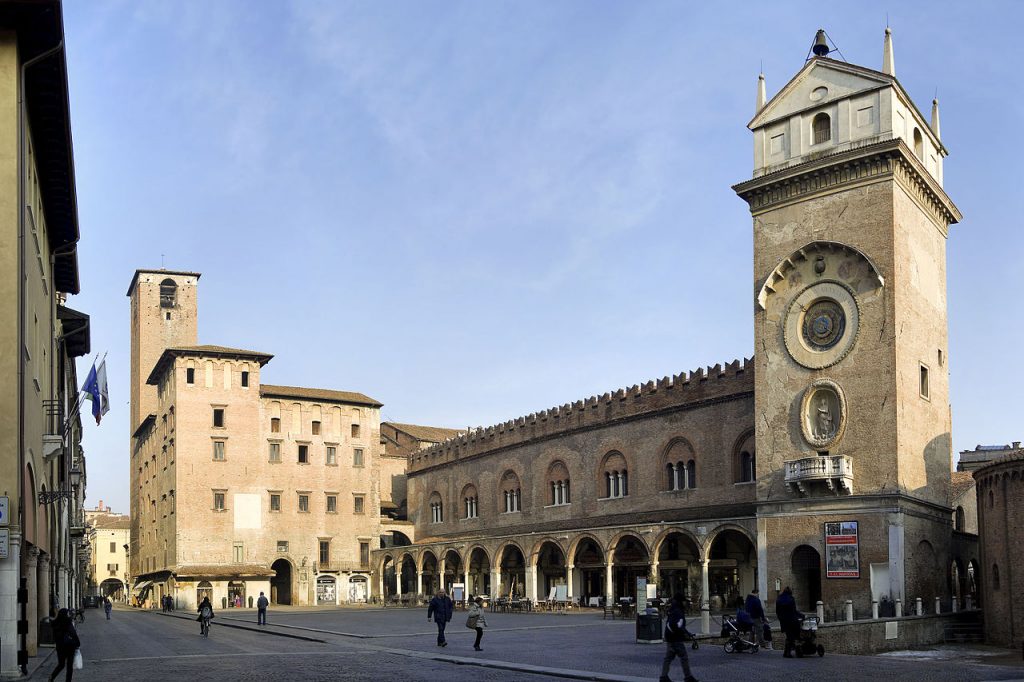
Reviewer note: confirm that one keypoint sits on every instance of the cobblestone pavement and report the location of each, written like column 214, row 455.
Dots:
column 398, row 644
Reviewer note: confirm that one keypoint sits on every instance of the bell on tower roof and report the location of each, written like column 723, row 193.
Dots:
column 888, row 63
column 820, row 48
column 762, row 97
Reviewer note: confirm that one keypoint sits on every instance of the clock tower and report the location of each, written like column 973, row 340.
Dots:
column 851, row 385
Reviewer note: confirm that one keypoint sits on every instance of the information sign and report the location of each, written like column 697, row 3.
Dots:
column 842, row 555
column 641, row 595
column 5, row 505
column 5, row 539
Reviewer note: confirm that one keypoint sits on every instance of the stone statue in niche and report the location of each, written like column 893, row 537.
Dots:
column 826, row 428
column 823, row 413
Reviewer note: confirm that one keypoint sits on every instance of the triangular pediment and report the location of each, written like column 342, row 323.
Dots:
column 822, row 80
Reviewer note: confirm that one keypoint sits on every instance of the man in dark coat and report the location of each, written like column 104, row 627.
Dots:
column 755, row 608
column 261, row 609
column 789, row 619
column 675, row 641
column 441, row 609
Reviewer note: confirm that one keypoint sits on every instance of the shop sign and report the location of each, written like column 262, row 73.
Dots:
column 5, row 540
column 5, row 505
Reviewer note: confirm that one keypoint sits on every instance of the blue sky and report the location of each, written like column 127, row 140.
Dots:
column 475, row 210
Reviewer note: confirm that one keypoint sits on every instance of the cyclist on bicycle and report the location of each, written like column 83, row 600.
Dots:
column 205, row 615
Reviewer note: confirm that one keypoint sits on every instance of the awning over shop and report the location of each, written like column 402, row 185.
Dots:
column 141, row 586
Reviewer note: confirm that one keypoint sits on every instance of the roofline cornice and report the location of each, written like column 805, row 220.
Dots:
column 865, row 164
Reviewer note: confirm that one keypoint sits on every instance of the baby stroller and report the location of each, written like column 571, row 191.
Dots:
column 807, row 642
column 739, row 640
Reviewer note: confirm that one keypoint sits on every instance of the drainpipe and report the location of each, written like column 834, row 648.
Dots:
column 22, row 305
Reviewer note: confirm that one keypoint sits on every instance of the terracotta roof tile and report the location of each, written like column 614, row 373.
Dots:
column 323, row 394
column 207, row 350
column 960, row 483
column 430, row 434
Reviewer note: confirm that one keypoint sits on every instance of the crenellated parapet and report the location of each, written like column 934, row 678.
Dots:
column 687, row 390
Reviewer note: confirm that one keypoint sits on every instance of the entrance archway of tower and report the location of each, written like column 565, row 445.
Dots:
column 452, row 569
column 281, row 582
column 927, row 573
column 551, row 568
column 588, row 558
column 478, row 574
column 112, row 588
column 408, row 583
column 431, row 580
column 513, row 571
column 630, row 560
column 732, row 569
column 679, row 567
column 805, row 564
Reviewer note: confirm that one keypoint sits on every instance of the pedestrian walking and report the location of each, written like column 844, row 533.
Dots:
column 476, row 620
column 440, row 608
column 789, row 619
column 755, row 608
column 675, row 644
column 66, row 642
column 107, row 606
column 261, row 609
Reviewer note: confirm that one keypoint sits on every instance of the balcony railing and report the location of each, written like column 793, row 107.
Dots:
column 834, row 472
column 336, row 565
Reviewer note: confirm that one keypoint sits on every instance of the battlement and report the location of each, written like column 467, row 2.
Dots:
column 706, row 384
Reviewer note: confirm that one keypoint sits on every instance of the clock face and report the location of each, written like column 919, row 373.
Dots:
column 823, row 324
column 820, row 326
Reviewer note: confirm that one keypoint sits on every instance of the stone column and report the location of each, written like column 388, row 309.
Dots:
column 874, row 608
column 938, row 606
column 609, row 582
column 398, row 579
column 654, row 574
column 43, row 585
column 383, row 594
column 495, row 582
column 819, row 610
column 531, row 583
column 569, row 578
column 705, row 589
column 419, row 582
column 849, row 610
column 31, row 571
column 9, row 609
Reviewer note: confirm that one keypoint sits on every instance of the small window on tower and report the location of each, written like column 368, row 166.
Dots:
column 190, row 375
column 168, row 294
column 245, row 379
column 924, row 381
column 822, row 126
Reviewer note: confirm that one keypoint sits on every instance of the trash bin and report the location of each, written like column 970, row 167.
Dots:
column 46, row 631
column 648, row 627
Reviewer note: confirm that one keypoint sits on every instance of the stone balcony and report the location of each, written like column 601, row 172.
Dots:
column 831, row 472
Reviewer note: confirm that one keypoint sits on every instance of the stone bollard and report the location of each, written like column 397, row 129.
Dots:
column 918, row 607
column 849, row 610
column 954, row 605
column 874, row 609
column 938, row 606
column 705, row 618
column 820, row 610
column 899, row 608
column 969, row 603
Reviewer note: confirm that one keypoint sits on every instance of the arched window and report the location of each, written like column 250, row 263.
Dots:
column 168, row 293
column 614, row 475
column 511, row 492
column 918, row 144
column 558, row 483
column 677, row 454
column 436, row 508
column 960, row 520
column 995, row 577
column 469, row 502
column 691, row 474
column 748, row 467
column 822, row 127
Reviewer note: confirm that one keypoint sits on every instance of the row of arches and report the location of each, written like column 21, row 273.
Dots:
column 718, row 570
column 679, row 461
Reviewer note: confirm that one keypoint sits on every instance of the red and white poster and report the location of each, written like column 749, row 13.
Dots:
column 842, row 555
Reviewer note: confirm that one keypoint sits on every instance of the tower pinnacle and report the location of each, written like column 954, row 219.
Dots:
column 762, row 98
column 888, row 63
column 935, row 117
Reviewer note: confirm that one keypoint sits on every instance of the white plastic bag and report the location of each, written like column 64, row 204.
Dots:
column 77, row 665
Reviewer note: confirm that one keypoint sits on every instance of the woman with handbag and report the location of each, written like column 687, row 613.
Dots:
column 476, row 620
column 66, row 642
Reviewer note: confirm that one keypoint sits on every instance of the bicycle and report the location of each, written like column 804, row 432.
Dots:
column 204, row 626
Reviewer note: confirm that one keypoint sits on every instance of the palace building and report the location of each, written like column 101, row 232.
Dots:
column 823, row 463
column 238, row 486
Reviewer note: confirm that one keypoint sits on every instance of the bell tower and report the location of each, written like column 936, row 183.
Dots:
column 851, row 387
column 164, row 310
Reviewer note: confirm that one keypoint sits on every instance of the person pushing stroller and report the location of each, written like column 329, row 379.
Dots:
column 755, row 608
